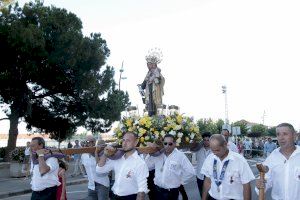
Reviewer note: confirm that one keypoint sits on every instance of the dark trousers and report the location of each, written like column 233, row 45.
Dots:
column 210, row 198
column 151, row 185
column 200, row 185
column 164, row 194
column 129, row 197
column 46, row 194
column 183, row 193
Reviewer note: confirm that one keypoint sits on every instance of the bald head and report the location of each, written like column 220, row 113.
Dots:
column 218, row 145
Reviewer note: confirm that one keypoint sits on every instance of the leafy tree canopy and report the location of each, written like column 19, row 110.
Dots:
column 243, row 126
column 208, row 125
column 52, row 76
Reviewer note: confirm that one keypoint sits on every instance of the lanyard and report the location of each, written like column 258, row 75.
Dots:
column 219, row 182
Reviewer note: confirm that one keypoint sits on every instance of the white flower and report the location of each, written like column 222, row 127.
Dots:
column 177, row 127
column 163, row 133
column 147, row 138
column 192, row 135
column 172, row 133
column 178, row 140
column 136, row 122
column 179, row 135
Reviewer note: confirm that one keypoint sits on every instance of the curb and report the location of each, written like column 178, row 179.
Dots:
column 25, row 191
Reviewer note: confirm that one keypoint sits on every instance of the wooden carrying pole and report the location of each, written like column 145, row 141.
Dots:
column 92, row 150
column 262, row 170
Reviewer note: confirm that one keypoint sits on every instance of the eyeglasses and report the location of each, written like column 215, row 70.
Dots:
column 168, row 143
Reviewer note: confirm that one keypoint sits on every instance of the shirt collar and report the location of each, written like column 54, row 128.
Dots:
column 297, row 150
column 228, row 157
column 134, row 155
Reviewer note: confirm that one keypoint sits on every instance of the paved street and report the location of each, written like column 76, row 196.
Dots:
column 79, row 192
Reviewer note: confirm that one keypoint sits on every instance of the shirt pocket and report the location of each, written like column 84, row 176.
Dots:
column 174, row 167
column 233, row 177
column 129, row 173
column 297, row 174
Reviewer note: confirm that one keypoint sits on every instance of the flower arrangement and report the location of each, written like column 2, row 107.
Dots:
column 150, row 129
column 17, row 154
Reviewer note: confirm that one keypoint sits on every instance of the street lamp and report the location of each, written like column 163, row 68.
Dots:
column 224, row 91
column 121, row 78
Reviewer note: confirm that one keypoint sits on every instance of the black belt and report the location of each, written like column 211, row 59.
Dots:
column 46, row 190
column 166, row 190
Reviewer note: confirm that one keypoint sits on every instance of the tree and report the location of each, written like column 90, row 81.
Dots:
column 207, row 125
column 219, row 125
column 259, row 128
column 51, row 76
column 243, row 126
column 271, row 131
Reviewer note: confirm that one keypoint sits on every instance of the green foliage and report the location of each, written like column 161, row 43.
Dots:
column 243, row 126
column 271, row 131
column 208, row 125
column 259, row 128
column 219, row 125
column 52, row 76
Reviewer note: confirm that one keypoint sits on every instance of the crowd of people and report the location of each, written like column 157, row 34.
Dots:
column 222, row 171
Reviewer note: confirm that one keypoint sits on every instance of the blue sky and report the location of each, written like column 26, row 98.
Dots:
column 252, row 47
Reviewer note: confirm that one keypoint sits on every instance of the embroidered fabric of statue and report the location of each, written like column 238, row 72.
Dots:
column 153, row 83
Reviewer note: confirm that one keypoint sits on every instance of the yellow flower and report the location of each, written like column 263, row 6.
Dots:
column 187, row 139
column 120, row 134
column 130, row 129
column 142, row 131
column 128, row 122
column 142, row 139
column 156, row 132
column 179, row 119
column 143, row 121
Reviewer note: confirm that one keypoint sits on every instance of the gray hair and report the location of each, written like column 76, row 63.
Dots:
column 290, row 126
column 218, row 137
column 40, row 141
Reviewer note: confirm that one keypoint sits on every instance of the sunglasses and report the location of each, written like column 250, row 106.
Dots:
column 168, row 143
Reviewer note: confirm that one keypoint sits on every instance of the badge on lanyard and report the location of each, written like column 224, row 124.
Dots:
column 128, row 174
column 222, row 175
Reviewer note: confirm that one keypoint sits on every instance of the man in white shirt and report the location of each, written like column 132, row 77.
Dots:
column 44, row 174
column 248, row 147
column 98, row 185
column 231, row 146
column 227, row 174
column 25, row 167
column 201, row 151
column 283, row 165
column 131, row 171
column 172, row 168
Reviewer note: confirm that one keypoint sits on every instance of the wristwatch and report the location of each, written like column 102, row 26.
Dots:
column 41, row 155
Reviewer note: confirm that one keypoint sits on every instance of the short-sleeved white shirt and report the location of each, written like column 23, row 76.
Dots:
column 237, row 173
column 201, row 155
column 130, row 174
column 171, row 171
column 49, row 179
column 89, row 163
column 284, row 175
